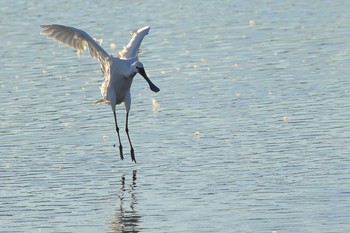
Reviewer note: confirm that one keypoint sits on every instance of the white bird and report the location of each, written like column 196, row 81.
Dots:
column 118, row 72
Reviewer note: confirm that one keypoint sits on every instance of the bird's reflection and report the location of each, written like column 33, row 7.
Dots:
column 126, row 218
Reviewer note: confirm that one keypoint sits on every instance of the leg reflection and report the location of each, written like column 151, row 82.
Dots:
column 127, row 218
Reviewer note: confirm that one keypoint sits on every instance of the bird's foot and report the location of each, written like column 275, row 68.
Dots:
column 121, row 152
column 132, row 155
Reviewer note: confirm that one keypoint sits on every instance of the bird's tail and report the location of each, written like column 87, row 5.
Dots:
column 99, row 102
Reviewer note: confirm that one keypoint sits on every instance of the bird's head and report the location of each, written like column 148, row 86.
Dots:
column 137, row 67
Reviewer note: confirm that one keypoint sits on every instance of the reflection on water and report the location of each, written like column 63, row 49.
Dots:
column 127, row 218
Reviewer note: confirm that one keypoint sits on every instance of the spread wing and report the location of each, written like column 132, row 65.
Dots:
column 132, row 49
column 75, row 38
column 80, row 40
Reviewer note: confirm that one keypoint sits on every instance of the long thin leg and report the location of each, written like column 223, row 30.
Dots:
column 117, row 129
column 127, row 133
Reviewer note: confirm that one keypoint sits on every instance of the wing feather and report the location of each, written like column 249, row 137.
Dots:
column 132, row 49
column 75, row 38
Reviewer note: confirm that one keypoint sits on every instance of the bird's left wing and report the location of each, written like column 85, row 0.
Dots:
column 75, row 38
column 132, row 49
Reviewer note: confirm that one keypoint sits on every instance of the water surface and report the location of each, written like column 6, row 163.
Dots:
column 251, row 134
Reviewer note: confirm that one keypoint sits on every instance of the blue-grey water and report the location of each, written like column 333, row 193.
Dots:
column 251, row 133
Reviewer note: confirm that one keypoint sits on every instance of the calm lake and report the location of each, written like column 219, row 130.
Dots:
column 249, row 133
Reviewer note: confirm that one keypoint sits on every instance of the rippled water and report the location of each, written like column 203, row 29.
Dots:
column 251, row 134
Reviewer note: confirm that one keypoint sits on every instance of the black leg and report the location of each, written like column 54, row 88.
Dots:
column 127, row 133
column 117, row 129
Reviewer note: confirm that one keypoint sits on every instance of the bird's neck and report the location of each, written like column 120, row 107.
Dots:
column 131, row 73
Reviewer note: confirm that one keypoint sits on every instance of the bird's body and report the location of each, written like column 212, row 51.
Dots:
column 117, row 83
column 118, row 72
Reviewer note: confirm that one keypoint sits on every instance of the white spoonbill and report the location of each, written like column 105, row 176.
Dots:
column 118, row 72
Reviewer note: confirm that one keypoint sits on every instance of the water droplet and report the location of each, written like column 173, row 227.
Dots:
column 155, row 105
column 198, row 134
column 252, row 23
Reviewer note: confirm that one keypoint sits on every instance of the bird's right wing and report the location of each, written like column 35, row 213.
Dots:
column 75, row 38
